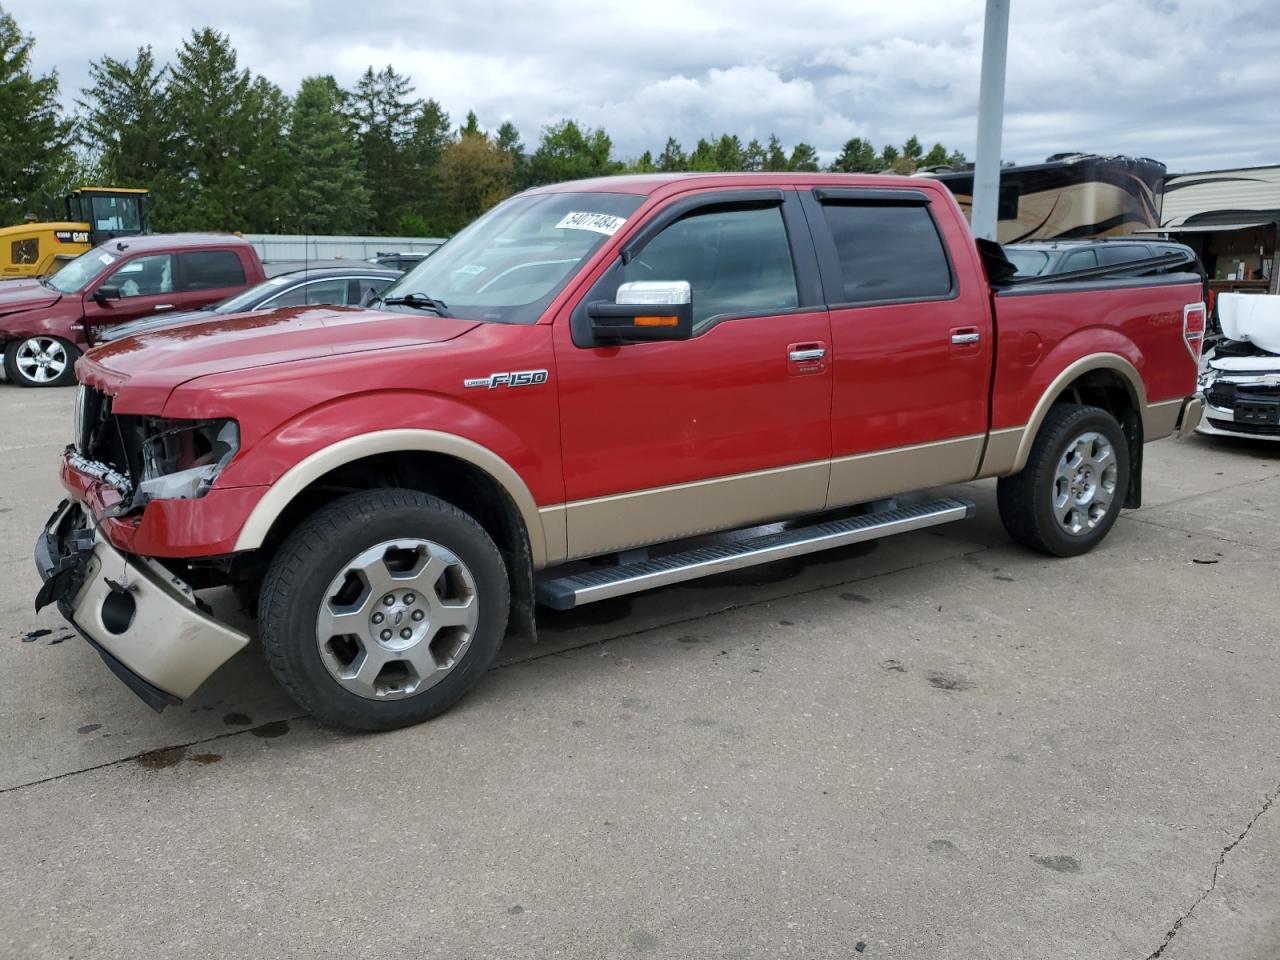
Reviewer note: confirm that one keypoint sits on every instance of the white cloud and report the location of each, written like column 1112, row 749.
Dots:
column 1191, row 82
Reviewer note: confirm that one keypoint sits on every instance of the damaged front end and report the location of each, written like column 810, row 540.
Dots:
column 146, row 458
column 1241, row 377
column 146, row 622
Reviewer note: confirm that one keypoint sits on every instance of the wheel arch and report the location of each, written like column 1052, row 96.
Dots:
column 1105, row 379
column 468, row 455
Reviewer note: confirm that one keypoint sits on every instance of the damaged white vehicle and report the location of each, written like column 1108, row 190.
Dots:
column 1241, row 377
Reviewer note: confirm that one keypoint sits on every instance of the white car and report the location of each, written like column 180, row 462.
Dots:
column 1241, row 377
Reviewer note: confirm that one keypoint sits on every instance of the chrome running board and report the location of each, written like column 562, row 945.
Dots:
column 573, row 590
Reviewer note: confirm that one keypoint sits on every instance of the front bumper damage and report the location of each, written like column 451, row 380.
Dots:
column 1242, row 395
column 147, row 625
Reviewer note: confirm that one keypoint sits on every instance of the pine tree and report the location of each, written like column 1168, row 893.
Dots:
column 858, row 156
column 329, row 193
column 936, row 157
column 672, row 159
column 703, row 157
column 384, row 111
column 729, row 154
column 423, row 202
column 569, row 152
column 125, row 123
column 508, row 142
column 753, row 156
column 775, row 159
column 803, row 158
column 35, row 138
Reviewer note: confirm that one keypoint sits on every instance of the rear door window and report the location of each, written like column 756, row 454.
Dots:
column 887, row 251
column 211, row 270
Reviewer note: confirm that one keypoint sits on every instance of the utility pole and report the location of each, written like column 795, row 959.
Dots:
column 986, row 163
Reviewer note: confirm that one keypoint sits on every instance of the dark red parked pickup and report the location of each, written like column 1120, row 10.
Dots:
column 45, row 324
column 596, row 388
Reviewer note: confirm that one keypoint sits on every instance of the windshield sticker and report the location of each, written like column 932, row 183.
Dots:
column 107, row 259
column 595, row 222
column 472, row 269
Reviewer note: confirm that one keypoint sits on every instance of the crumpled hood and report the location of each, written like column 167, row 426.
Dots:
column 1251, row 318
column 20, row 295
column 163, row 359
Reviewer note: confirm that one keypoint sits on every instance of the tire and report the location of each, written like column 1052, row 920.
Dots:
column 1080, row 458
column 41, row 361
column 421, row 587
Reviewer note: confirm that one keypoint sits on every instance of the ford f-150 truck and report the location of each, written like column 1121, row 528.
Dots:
column 46, row 323
column 597, row 388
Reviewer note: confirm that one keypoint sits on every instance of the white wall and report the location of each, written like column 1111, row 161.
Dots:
column 301, row 247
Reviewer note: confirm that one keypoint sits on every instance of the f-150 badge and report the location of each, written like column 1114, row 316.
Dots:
column 516, row 378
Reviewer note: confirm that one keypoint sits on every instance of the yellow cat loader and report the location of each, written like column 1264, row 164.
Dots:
column 93, row 214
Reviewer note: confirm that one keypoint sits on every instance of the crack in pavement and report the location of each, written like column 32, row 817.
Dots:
column 1200, row 533
column 1268, row 799
column 142, row 753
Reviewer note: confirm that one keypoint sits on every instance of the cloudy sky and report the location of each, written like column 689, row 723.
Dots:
column 1195, row 83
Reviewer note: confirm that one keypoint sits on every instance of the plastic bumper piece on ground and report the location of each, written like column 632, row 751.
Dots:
column 145, row 622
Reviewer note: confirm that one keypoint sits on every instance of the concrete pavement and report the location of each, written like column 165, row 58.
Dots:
column 941, row 746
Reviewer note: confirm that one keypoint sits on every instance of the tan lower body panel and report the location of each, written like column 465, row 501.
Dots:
column 1161, row 419
column 1001, row 456
column 866, row 476
column 618, row 522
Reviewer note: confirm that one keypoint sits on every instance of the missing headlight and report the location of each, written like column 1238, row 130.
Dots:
column 182, row 458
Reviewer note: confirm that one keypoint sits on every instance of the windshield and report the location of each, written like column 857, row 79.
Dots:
column 1030, row 263
column 248, row 299
column 508, row 265
column 75, row 276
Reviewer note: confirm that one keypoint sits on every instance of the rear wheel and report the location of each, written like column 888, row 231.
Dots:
column 41, row 361
column 1068, row 496
column 383, row 609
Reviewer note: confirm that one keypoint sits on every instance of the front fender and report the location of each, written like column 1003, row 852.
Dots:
column 47, row 321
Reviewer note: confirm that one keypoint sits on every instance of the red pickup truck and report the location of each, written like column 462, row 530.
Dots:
column 44, row 324
column 596, row 388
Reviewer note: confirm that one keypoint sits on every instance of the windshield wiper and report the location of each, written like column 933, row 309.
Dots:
column 419, row 301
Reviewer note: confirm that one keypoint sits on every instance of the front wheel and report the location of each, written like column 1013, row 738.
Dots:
column 383, row 609
column 1069, row 494
column 40, row 361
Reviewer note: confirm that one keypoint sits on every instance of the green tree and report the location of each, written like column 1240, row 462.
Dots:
column 230, row 154
column 421, row 190
column 568, row 152
column 383, row 110
column 126, row 126
column 472, row 126
column 888, row 157
column 858, row 156
column 729, row 154
column 642, row 164
column 35, row 138
column 913, row 149
column 753, row 156
column 673, row 158
column 803, row 158
column 328, row 193
column 775, row 158
column 475, row 175
column 508, row 142
column 703, row 158
column 936, row 157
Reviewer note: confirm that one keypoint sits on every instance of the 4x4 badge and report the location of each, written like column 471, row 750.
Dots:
column 516, row 378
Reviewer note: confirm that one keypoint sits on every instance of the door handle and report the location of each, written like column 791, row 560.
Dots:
column 807, row 354
column 164, row 306
column 963, row 337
